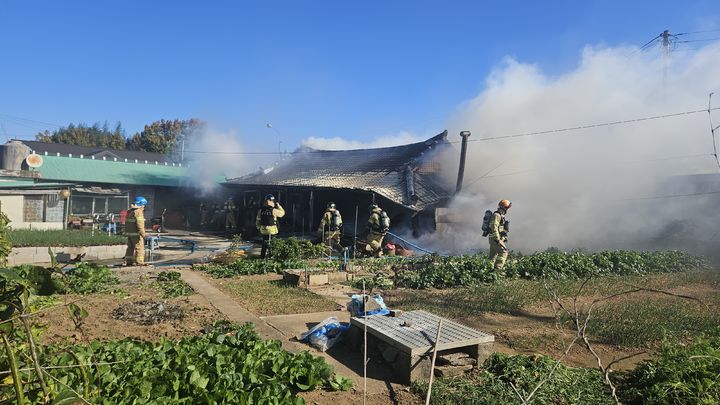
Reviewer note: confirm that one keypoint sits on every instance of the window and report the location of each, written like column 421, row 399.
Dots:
column 100, row 206
column 117, row 204
column 81, row 205
column 43, row 208
column 87, row 205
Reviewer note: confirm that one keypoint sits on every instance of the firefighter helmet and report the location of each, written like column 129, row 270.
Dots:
column 373, row 207
column 505, row 204
column 331, row 205
column 140, row 201
column 270, row 197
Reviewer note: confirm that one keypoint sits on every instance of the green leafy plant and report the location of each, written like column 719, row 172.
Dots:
column 458, row 271
column 90, row 278
column 172, row 285
column 294, row 249
column 491, row 384
column 247, row 267
column 678, row 374
column 27, row 237
column 229, row 364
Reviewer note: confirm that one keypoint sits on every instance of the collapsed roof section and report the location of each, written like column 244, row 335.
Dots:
column 408, row 174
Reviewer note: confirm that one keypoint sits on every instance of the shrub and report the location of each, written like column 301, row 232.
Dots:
column 491, row 383
column 678, row 374
column 294, row 249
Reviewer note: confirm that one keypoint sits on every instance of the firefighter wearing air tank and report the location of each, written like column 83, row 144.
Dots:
column 331, row 226
column 135, row 232
column 266, row 222
column 230, row 215
column 498, row 228
column 378, row 226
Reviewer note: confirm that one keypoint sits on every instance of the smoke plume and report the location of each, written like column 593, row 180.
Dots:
column 212, row 156
column 612, row 186
column 338, row 143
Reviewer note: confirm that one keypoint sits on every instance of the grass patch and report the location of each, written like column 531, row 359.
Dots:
column 636, row 320
column 491, row 384
column 510, row 296
column 643, row 320
column 26, row 237
column 273, row 297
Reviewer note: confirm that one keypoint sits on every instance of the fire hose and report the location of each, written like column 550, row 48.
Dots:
column 410, row 243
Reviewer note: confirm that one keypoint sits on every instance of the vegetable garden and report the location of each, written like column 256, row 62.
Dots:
column 672, row 318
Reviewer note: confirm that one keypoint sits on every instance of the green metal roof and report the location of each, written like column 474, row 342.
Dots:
column 30, row 183
column 85, row 170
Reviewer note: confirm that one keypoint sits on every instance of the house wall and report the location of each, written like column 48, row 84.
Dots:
column 13, row 206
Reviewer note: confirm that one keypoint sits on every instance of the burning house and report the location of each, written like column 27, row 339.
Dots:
column 404, row 180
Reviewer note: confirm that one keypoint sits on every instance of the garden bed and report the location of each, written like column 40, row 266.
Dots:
column 35, row 238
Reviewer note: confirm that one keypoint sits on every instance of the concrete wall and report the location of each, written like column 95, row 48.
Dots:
column 12, row 206
column 37, row 255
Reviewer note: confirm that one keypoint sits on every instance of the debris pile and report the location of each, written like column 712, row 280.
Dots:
column 148, row 312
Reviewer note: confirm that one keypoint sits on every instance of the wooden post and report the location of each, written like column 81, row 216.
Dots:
column 432, row 365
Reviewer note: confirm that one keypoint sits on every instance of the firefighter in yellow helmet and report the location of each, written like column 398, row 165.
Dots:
column 498, row 237
column 331, row 227
column 378, row 225
column 266, row 222
column 135, row 231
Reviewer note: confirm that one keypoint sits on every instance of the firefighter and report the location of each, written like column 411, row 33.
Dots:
column 331, row 226
column 230, row 215
column 135, row 231
column 378, row 225
column 499, row 235
column 203, row 215
column 266, row 222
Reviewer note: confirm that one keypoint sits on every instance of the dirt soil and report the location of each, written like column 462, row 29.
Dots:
column 533, row 330
column 100, row 324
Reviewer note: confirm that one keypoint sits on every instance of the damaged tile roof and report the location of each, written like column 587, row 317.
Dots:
column 399, row 173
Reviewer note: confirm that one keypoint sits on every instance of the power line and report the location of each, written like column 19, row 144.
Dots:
column 699, row 40
column 590, row 126
column 661, row 197
column 703, row 31
column 525, row 134
column 16, row 118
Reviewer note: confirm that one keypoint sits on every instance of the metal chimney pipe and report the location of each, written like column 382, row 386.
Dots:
column 463, row 154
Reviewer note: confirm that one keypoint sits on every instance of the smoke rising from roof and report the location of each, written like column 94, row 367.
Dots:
column 338, row 143
column 575, row 189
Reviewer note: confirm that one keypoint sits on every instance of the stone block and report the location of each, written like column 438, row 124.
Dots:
column 481, row 352
column 455, row 359
column 337, row 276
column 451, row 371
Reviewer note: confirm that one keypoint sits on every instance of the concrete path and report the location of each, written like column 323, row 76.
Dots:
column 285, row 327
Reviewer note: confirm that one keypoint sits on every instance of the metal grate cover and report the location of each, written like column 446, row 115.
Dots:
column 419, row 336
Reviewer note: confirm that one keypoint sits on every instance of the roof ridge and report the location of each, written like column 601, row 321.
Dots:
column 429, row 142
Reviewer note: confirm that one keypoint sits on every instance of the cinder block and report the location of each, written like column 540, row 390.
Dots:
column 337, row 276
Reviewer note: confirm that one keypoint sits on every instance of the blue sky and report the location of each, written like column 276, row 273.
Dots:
column 357, row 70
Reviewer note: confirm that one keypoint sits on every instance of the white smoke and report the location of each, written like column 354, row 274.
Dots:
column 576, row 188
column 338, row 143
column 213, row 156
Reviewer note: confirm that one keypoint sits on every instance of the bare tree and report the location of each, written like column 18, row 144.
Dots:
column 580, row 315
